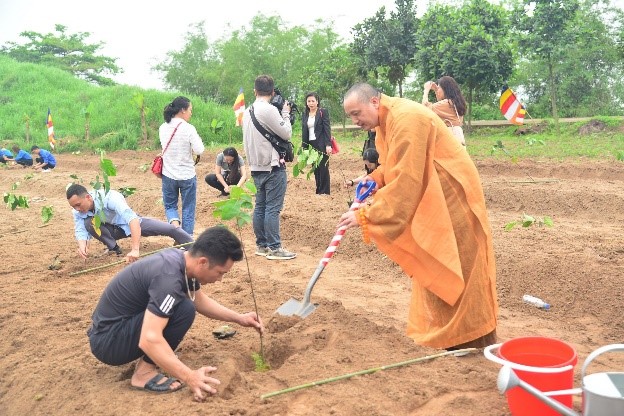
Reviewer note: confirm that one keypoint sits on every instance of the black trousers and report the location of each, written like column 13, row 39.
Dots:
column 49, row 165
column 211, row 179
column 321, row 176
column 120, row 343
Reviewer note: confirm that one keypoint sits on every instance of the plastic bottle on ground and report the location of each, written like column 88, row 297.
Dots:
column 537, row 302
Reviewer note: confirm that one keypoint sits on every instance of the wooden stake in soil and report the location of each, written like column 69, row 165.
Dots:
column 369, row 371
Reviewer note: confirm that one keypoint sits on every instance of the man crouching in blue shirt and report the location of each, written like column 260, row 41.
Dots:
column 44, row 159
column 121, row 222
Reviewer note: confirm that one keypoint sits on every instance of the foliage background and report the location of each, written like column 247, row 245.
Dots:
column 483, row 44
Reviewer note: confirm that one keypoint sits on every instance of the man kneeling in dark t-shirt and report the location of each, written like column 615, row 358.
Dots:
column 149, row 306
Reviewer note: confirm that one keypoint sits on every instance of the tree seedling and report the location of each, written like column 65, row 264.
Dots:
column 528, row 221
column 15, row 201
column 126, row 191
column 307, row 161
column 47, row 212
column 238, row 207
column 108, row 169
column 216, row 126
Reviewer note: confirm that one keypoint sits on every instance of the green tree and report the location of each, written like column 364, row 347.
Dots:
column 188, row 70
column 330, row 77
column 546, row 33
column 69, row 52
column 590, row 79
column 470, row 44
column 389, row 44
column 266, row 45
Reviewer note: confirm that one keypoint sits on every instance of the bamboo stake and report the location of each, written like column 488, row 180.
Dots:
column 531, row 181
column 123, row 261
column 369, row 371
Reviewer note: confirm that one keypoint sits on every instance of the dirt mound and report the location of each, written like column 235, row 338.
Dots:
column 362, row 298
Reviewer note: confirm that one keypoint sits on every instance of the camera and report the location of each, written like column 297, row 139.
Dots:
column 278, row 101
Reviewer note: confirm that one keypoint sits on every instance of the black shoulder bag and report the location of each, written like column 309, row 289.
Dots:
column 283, row 147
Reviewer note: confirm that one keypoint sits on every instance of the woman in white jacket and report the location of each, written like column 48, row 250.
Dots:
column 179, row 179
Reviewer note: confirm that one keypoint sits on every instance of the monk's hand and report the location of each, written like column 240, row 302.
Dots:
column 348, row 220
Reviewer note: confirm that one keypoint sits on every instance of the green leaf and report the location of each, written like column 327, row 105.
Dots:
column 23, row 202
column 548, row 222
column 251, row 186
column 47, row 212
column 509, row 226
column 107, row 167
column 127, row 191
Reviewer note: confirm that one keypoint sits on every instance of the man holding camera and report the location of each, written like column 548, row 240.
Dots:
column 268, row 168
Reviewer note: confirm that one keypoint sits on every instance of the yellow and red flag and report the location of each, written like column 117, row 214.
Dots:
column 51, row 138
column 511, row 107
column 239, row 108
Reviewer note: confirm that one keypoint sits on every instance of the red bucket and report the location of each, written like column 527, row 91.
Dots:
column 545, row 363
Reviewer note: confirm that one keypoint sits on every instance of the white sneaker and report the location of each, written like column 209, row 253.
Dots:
column 280, row 253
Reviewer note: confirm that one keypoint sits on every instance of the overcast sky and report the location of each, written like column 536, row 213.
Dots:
column 140, row 33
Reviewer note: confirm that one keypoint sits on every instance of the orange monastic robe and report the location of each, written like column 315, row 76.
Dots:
column 429, row 216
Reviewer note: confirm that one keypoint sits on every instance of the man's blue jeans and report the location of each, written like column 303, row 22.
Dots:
column 271, row 189
column 187, row 189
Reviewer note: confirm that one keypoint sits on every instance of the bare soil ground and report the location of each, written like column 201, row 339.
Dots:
column 577, row 265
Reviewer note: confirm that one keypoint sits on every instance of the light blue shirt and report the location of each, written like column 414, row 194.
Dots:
column 115, row 209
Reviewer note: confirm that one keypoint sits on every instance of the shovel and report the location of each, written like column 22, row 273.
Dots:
column 305, row 308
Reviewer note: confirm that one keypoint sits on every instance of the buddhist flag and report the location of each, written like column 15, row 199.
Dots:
column 50, row 130
column 239, row 108
column 511, row 107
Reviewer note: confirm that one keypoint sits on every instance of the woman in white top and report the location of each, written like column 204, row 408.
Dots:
column 178, row 177
column 316, row 132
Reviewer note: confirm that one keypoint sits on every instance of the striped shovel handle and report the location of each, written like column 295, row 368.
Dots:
column 362, row 192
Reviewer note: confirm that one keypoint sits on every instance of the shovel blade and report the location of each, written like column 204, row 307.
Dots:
column 295, row 307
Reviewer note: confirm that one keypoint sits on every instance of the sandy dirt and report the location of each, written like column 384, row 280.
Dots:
column 577, row 265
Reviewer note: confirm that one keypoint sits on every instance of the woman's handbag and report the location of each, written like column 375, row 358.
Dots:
column 157, row 164
column 334, row 145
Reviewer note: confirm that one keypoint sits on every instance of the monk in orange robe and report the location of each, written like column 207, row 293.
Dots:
column 429, row 216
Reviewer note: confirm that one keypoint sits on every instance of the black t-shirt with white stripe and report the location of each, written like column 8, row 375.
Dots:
column 155, row 283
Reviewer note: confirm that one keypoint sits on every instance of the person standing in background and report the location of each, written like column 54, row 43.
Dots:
column 316, row 132
column 179, row 179
column 450, row 105
column 267, row 170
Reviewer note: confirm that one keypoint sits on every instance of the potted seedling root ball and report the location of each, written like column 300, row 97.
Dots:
column 237, row 208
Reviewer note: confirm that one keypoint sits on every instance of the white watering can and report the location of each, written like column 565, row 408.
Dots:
column 603, row 393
